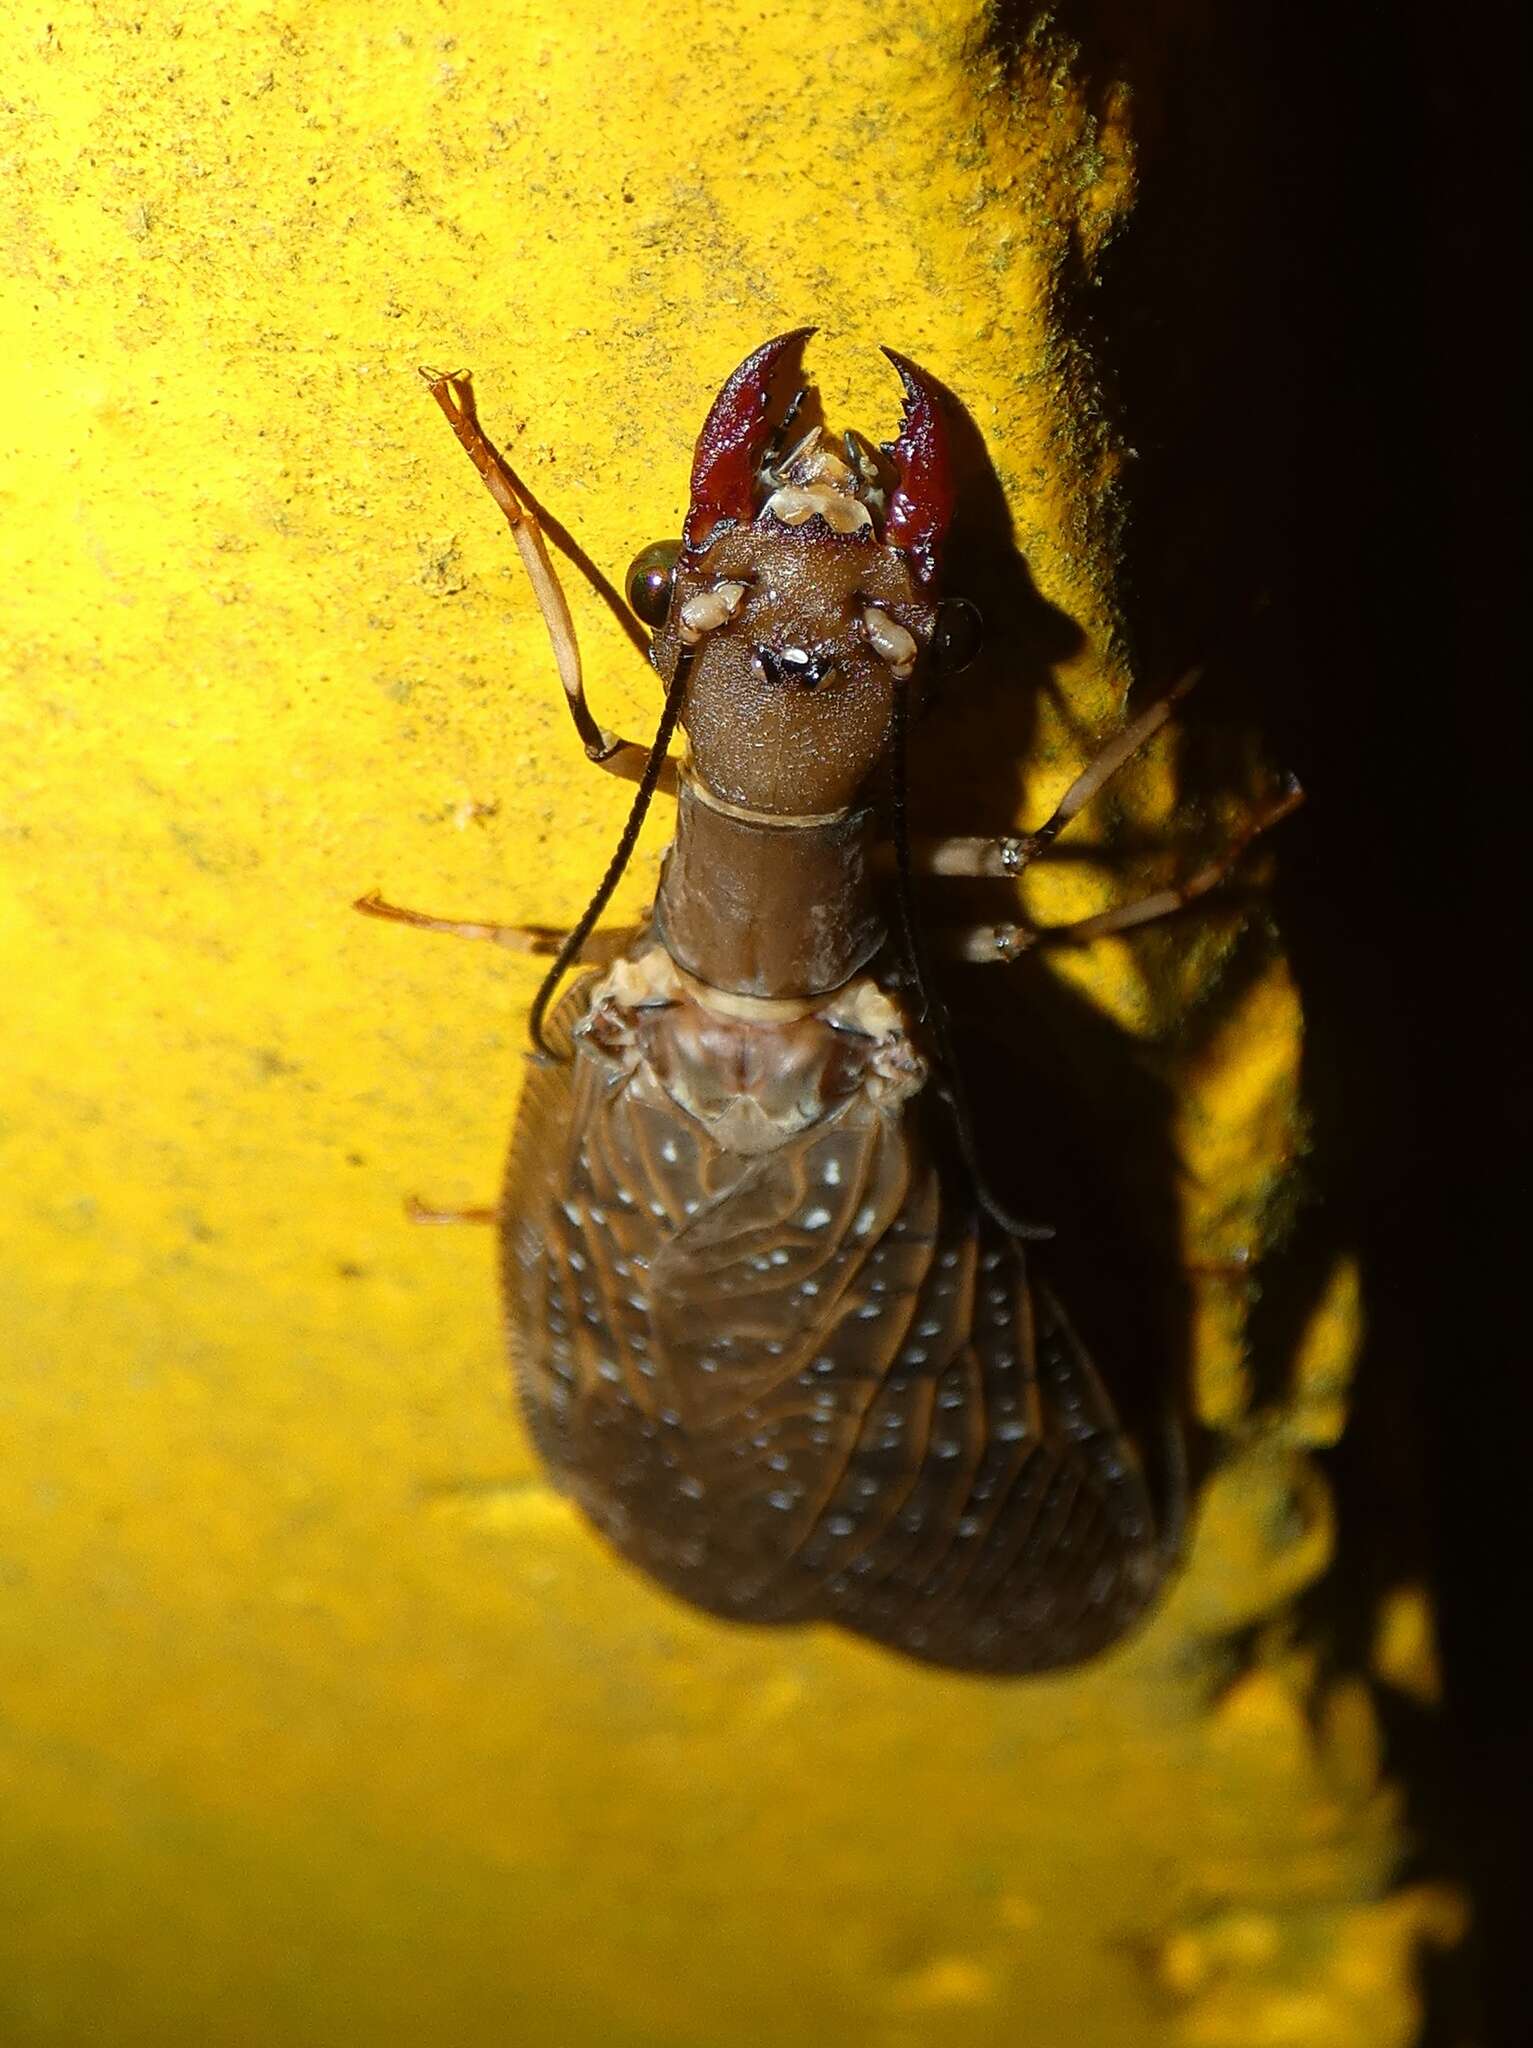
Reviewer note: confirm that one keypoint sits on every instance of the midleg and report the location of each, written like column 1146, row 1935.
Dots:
column 544, row 941
column 455, row 395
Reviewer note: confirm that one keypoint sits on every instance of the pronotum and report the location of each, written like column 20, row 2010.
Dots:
column 771, row 1331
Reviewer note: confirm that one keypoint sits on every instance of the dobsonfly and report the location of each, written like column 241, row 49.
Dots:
column 771, row 1331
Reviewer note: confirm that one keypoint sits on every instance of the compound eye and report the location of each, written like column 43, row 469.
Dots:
column 957, row 636
column 651, row 574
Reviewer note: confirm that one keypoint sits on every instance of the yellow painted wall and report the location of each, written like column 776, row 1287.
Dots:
column 321, row 1719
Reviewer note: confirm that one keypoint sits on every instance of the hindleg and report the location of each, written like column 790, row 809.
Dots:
column 424, row 1212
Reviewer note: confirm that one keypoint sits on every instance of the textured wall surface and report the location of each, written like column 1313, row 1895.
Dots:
column 321, row 1719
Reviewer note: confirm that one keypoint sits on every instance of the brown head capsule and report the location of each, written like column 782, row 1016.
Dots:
column 769, row 1332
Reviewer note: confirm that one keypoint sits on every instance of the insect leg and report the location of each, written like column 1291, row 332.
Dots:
column 455, row 395
column 989, row 943
column 1010, row 854
column 425, row 1212
column 601, row 949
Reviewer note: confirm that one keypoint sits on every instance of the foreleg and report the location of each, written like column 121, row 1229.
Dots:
column 626, row 758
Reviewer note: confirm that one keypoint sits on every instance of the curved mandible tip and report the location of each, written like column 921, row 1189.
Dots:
column 921, row 509
column 733, row 441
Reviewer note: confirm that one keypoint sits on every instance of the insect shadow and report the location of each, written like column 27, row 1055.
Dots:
column 1074, row 1122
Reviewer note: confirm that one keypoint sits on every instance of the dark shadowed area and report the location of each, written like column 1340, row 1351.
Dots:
column 1304, row 340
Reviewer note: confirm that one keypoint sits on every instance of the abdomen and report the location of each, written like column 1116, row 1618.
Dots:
column 814, row 1383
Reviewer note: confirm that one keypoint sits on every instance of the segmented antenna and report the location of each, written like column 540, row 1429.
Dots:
column 569, row 952
column 933, row 1009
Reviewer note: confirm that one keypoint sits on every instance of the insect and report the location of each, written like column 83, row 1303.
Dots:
column 771, row 1331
